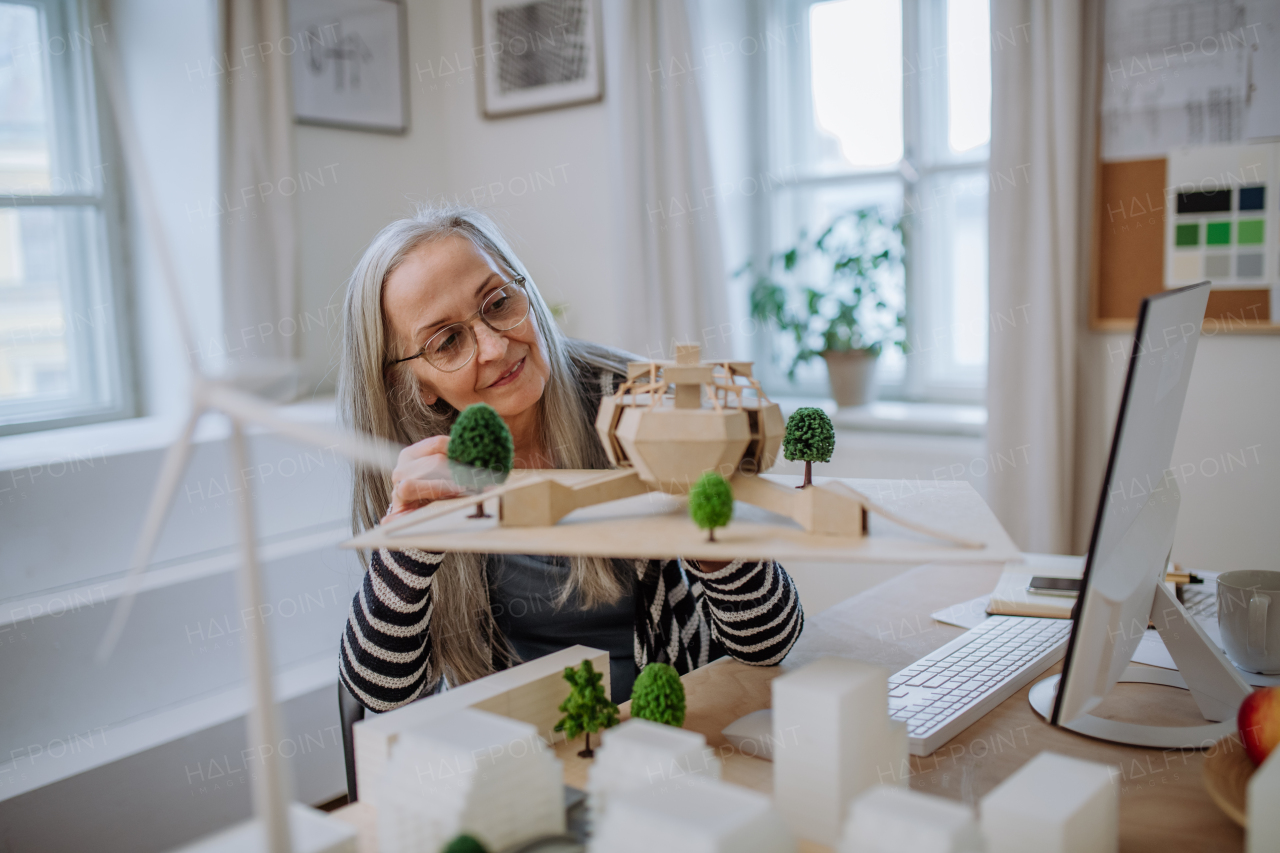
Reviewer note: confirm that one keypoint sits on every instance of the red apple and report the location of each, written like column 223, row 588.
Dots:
column 1259, row 722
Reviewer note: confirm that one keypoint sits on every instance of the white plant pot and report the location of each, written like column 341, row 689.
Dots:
column 852, row 374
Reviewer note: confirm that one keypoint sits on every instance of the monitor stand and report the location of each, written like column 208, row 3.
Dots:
column 1203, row 669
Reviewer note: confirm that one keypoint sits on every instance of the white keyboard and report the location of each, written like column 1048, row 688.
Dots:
column 951, row 688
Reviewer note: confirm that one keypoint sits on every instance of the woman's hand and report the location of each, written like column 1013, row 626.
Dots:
column 421, row 476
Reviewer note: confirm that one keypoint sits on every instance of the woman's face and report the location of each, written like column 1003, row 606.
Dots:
column 444, row 281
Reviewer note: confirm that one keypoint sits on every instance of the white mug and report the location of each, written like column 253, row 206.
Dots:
column 1249, row 619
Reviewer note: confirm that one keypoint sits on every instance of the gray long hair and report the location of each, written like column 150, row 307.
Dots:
column 388, row 402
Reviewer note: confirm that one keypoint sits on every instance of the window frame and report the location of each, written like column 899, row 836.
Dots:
column 926, row 162
column 97, row 308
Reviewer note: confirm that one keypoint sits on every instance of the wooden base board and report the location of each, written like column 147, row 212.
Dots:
column 657, row 525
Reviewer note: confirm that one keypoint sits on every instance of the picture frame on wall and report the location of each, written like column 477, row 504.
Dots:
column 349, row 64
column 538, row 55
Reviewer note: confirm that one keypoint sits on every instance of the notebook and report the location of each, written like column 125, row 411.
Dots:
column 1012, row 598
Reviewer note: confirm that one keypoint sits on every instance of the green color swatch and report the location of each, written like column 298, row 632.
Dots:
column 1250, row 231
column 1217, row 233
column 1187, row 235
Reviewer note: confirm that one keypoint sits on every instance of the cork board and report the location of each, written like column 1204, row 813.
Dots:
column 1130, row 225
column 1128, row 255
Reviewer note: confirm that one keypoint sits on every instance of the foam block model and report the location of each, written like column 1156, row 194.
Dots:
column 1053, row 804
column 1262, row 799
column 530, row 693
column 707, row 816
column 891, row 819
column 832, row 740
column 644, row 754
column 310, row 830
column 469, row 772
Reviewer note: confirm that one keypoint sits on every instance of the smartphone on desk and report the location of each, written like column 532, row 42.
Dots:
column 1068, row 587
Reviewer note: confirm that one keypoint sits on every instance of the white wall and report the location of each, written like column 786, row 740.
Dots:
column 370, row 180
column 172, row 697
column 165, row 51
column 545, row 178
column 1227, row 453
column 564, row 232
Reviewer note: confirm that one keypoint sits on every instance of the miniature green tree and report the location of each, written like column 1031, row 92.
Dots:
column 711, row 503
column 481, row 452
column 658, row 695
column 465, row 844
column 811, row 437
column 587, row 708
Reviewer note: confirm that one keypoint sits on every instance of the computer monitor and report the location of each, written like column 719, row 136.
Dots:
column 1132, row 540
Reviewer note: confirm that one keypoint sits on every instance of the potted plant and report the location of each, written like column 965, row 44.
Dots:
column 839, row 297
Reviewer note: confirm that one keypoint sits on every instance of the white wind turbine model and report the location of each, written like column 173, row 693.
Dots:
column 276, row 822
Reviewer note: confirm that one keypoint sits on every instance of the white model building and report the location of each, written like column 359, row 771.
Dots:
column 1053, row 804
column 703, row 816
column 473, row 772
column 893, row 819
column 641, row 753
column 1262, row 795
column 833, row 739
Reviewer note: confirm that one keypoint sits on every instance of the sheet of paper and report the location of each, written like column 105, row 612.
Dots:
column 966, row 614
column 1178, row 74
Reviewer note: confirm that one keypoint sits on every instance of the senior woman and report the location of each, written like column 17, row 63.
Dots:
column 441, row 314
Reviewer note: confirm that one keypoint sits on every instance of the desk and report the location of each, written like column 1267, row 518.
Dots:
column 1163, row 804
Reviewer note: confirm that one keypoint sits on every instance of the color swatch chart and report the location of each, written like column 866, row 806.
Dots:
column 1223, row 225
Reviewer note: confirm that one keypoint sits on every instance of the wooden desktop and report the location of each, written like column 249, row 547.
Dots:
column 1163, row 803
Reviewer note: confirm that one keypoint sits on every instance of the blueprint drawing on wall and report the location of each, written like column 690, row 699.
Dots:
column 1177, row 74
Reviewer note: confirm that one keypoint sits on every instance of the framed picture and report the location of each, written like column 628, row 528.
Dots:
column 349, row 64
column 538, row 55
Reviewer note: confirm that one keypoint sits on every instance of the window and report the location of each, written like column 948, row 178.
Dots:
column 888, row 104
column 60, row 357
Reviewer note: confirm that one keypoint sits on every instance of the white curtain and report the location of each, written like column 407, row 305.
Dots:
column 258, row 228
column 671, row 272
column 1043, row 56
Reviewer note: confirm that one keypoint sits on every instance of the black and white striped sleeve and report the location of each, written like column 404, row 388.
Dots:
column 386, row 658
column 754, row 610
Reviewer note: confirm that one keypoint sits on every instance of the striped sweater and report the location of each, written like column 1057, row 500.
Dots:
column 749, row 610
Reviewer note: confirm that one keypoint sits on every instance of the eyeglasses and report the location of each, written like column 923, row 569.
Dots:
column 453, row 347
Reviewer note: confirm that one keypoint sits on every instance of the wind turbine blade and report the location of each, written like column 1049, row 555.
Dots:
column 374, row 452
column 175, row 463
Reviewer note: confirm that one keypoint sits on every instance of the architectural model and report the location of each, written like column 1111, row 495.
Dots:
column 587, row 708
column 707, row 816
column 890, row 819
column 832, row 740
column 658, row 695
column 469, row 772
column 529, row 693
column 644, row 754
column 666, row 426
column 1053, row 804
